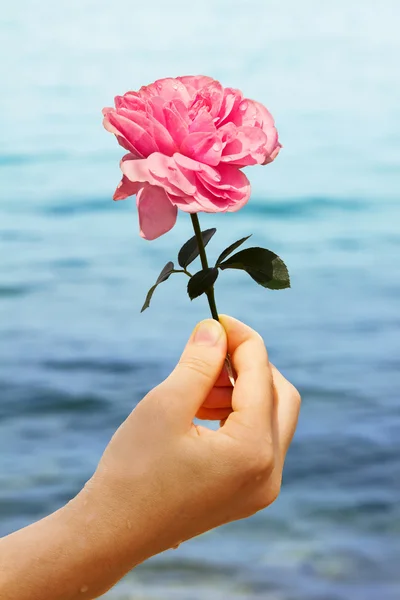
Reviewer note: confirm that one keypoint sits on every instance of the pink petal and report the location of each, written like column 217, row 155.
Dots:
column 207, row 98
column 156, row 107
column 168, row 88
column 250, row 147
column 264, row 117
column 186, row 163
column 273, row 154
column 160, row 170
column 175, row 123
column 167, row 172
column 204, row 147
column 195, row 82
column 120, row 139
column 185, row 203
column 209, row 201
column 130, row 100
column 203, row 122
column 137, row 171
column 231, row 100
column 227, row 133
column 233, row 187
column 158, row 132
column 133, row 133
column 273, row 145
column 246, row 112
column 157, row 215
column 126, row 188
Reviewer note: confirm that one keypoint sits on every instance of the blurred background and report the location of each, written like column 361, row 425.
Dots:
column 75, row 353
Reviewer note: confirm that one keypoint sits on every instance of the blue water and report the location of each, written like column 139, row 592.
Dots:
column 76, row 355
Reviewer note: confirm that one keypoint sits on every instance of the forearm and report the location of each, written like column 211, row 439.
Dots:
column 77, row 552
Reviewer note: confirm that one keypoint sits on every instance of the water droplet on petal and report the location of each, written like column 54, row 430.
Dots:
column 243, row 106
column 217, row 146
column 175, row 86
column 255, row 116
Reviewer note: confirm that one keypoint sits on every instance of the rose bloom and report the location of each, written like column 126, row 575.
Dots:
column 187, row 140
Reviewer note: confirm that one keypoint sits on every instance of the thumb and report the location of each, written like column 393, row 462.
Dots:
column 199, row 367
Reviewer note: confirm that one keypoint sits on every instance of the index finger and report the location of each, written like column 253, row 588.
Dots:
column 252, row 397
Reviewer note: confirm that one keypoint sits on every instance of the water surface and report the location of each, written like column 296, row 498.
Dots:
column 76, row 355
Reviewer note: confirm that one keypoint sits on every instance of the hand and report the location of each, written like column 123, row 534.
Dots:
column 163, row 479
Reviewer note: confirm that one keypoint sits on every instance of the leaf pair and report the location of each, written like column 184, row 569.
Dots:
column 264, row 266
column 187, row 254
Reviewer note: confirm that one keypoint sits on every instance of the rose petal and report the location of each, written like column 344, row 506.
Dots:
column 157, row 214
column 232, row 188
column 133, row 133
column 273, row 154
column 231, row 100
column 168, row 88
column 264, row 117
column 126, row 188
column 160, row 134
column 204, row 147
column 156, row 107
column 248, row 148
column 130, row 100
column 175, row 123
column 184, row 162
column 203, row 122
column 160, row 170
column 195, row 82
column 167, row 172
column 207, row 98
column 186, row 203
column 120, row 139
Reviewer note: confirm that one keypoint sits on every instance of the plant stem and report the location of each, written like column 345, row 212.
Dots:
column 204, row 264
column 185, row 271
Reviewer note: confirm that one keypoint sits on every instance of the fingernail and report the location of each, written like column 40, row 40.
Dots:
column 207, row 333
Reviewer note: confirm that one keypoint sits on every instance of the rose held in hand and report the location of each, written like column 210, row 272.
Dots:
column 187, row 140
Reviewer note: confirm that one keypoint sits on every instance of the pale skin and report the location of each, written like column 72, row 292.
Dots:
column 163, row 480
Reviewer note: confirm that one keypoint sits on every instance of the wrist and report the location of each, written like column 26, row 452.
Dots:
column 104, row 543
column 116, row 526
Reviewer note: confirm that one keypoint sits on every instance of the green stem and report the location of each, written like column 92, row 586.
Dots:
column 185, row 271
column 204, row 264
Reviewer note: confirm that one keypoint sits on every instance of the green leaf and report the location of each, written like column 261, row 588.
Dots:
column 190, row 250
column 201, row 282
column 264, row 266
column 230, row 249
column 163, row 276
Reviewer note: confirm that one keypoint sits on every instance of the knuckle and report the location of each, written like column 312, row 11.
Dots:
column 296, row 396
column 273, row 491
column 261, row 459
column 197, row 365
column 266, row 495
column 260, row 340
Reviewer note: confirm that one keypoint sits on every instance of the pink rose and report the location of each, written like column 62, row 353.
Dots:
column 187, row 139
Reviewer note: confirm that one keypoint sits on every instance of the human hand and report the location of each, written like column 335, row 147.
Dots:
column 163, row 479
